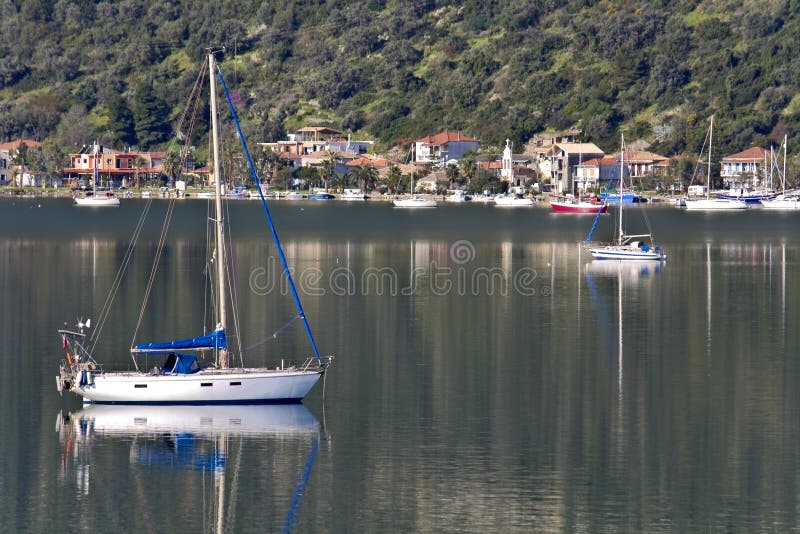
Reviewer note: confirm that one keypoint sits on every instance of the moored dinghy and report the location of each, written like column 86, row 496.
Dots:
column 181, row 380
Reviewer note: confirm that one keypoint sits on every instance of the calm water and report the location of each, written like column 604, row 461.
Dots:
column 489, row 375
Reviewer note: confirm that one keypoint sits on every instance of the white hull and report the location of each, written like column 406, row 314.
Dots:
column 414, row 202
column 710, row 204
column 513, row 202
column 229, row 386
column 202, row 420
column 97, row 201
column 625, row 252
column 781, row 204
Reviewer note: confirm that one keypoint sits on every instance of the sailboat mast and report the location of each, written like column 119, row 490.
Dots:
column 710, row 139
column 783, row 179
column 96, row 171
column 413, row 163
column 220, row 256
column 621, row 173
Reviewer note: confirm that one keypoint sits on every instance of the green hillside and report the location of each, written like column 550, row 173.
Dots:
column 73, row 71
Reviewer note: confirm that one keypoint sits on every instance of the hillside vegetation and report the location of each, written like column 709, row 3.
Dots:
column 72, row 71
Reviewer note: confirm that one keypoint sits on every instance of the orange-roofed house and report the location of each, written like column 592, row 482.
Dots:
column 7, row 152
column 12, row 147
column 745, row 167
column 378, row 163
column 443, row 147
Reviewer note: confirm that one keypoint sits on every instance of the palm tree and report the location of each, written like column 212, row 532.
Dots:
column 138, row 163
column 468, row 166
column 366, row 176
column 339, row 181
column 327, row 167
column 394, row 179
column 172, row 166
column 452, row 174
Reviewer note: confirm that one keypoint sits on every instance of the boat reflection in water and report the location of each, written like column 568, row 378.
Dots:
column 208, row 440
column 622, row 269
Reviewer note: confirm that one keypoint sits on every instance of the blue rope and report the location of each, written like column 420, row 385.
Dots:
column 597, row 216
column 267, row 214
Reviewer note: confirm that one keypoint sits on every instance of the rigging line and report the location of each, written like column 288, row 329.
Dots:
column 274, row 334
column 106, row 309
column 597, row 215
column 267, row 214
column 206, row 270
column 160, row 248
column 230, row 271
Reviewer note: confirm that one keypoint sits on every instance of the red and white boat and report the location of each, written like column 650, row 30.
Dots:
column 577, row 205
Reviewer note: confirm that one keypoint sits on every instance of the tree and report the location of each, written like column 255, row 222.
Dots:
column 340, row 181
column 150, row 115
column 366, row 176
column 452, row 174
column 121, row 118
column 53, row 160
column 138, row 163
column 326, row 169
column 172, row 166
column 468, row 166
column 393, row 179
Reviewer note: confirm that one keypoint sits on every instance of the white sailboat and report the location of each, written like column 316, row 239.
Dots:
column 627, row 247
column 97, row 198
column 787, row 200
column 414, row 201
column 181, row 380
column 708, row 203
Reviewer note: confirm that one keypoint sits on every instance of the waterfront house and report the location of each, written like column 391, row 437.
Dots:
column 316, row 159
column 310, row 139
column 378, row 163
column 10, row 173
column 5, row 167
column 443, row 147
column 745, row 169
column 564, row 159
column 12, row 148
column 115, row 168
column 642, row 163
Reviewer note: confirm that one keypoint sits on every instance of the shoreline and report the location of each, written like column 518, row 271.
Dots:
column 38, row 192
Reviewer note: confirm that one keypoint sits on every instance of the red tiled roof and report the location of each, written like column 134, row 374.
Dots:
column 751, row 154
column 14, row 145
column 490, row 164
column 445, row 137
column 592, row 162
column 375, row 162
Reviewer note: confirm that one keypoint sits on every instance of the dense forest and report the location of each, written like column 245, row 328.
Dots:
column 72, row 71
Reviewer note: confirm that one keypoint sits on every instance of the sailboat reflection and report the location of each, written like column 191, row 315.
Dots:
column 208, row 440
column 629, row 270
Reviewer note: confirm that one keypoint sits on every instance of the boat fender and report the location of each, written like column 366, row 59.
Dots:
column 89, row 378
column 83, row 379
column 69, row 358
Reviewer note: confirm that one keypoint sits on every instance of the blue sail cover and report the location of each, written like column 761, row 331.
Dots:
column 214, row 340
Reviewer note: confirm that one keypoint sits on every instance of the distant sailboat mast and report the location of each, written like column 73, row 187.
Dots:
column 222, row 354
column 620, row 234
column 710, row 140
